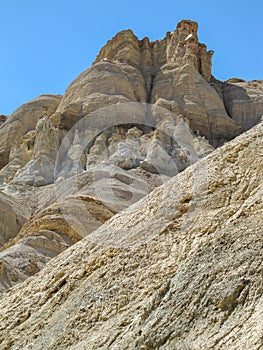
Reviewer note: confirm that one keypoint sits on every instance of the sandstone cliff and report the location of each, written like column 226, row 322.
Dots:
column 13, row 214
column 173, row 74
column 134, row 260
column 177, row 270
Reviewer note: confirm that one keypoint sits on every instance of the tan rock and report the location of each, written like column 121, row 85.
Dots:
column 39, row 170
column 243, row 100
column 125, row 47
column 116, row 188
column 47, row 234
column 21, row 121
column 180, row 269
column 173, row 73
column 20, row 154
column 64, row 215
column 13, row 214
column 132, row 70
column 103, row 84
column 114, row 263
column 193, row 97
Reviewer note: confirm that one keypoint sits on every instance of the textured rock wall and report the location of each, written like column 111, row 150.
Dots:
column 46, row 235
column 65, row 214
column 173, row 73
column 21, row 122
column 13, row 214
column 243, row 100
column 176, row 46
column 179, row 269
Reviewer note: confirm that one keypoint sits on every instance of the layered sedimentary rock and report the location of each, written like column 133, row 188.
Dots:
column 69, row 211
column 13, row 214
column 182, row 268
column 148, row 108
column 20, row 123
column 243, row 100
column 177, row 269
column 39, row 170
column 172, row 74
column 47, row 234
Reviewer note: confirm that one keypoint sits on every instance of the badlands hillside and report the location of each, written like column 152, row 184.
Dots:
column 131, row 206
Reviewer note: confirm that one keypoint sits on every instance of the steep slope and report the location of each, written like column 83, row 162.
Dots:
column 128, row 171
column 180, row 269
column 46, row 235
column 78, row 207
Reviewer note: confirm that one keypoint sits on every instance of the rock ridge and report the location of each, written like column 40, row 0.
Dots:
column 144, row 54
column 175, row 270
column 128, row 188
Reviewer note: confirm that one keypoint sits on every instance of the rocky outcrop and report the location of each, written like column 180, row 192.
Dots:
column 120, row 217
column 182, row 268
column 13, row 214
column 46, row 235
column 165, row 143
column 243, row 100
column 142, row 113
column 172, row 74
column 77, row 207
column 177, row 45
column 39, row 170
column 21, row 122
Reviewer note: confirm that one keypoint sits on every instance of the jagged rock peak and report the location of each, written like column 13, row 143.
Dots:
column 178, row 46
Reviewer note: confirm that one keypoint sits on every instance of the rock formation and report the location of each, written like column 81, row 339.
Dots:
column 173, row 74
column 46, row 235
column 243, row 100
column 15, row 131
column 13, row 214
column 147, row 216
column 177, row 270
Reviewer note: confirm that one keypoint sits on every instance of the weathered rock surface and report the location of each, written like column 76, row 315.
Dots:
column 173, row 74
column 71, row 210
column 182, row 268
column 177, row 267
column 13, row 214
column 21, row 122
column 47, row 234
column 39, row 170
column 243, row 100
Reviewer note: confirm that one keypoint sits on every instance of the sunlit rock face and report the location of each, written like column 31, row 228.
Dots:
column 195, row 241
column 172, row 75
column 121, row 187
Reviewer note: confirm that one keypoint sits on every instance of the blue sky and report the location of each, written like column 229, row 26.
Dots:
column 45, row 44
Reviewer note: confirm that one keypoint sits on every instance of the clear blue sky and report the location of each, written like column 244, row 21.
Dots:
column 45, row 44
